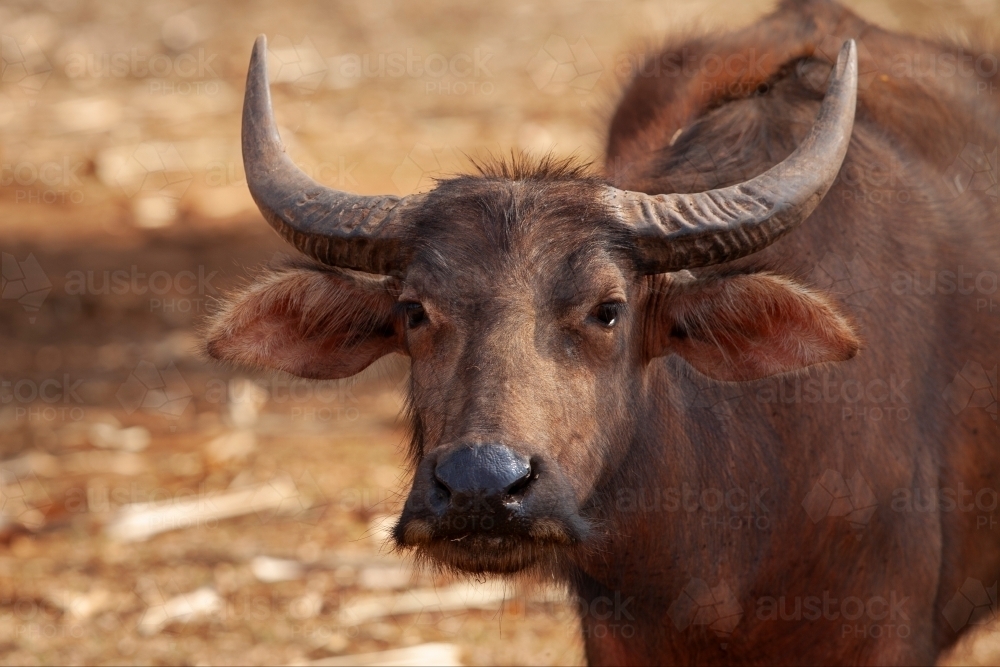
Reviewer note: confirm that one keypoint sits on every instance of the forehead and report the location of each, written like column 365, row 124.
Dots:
column 475, row 235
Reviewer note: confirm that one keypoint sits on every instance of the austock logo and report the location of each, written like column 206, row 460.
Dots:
column 154, row 167
column 336, row 171
column 982, row 285
column 24, row 282
column 737, row 74
column 874, row 399
column 59, row 398
column 720, row 74
column 23, row 499
column 872, row 611
column 983, row 502
column 974, row 170
column 829, row 49
column 23, row 64
column 974, row 386
column 299, row 65
column 154, row 175
column 50, row 182
column 460, row 73
column 834, row 496
column 156, row 391
column 182, row 291
column 909, row 65
column 193, row 72
column 559, row 66
column 153, row 607
column 310, row 400
column 720, row 399
column 973, row 604
column 852, row 279
column 714, row 608
column 879, row 180
column 735, row 508
column 612, row 615
column 300, row 499
column 141, row 513
column 36, row 618
column 964, row 65
column 420, row 167
column 150, row 607
column 303, row 67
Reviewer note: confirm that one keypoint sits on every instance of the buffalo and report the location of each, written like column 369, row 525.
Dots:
column 693, row 386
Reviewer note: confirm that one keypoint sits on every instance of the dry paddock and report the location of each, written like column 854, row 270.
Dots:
column 123, row 214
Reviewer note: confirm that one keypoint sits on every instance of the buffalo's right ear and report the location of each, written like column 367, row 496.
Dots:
column 311, row 321
column 747, row 326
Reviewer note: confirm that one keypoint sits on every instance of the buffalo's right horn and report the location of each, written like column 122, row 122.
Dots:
column 337, row 228
column 686, row 231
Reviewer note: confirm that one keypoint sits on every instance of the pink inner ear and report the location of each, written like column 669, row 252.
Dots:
column 313, row 323
column 752, row 326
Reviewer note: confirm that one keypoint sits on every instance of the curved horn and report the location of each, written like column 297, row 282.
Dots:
column 336, row 228
column 685, row 231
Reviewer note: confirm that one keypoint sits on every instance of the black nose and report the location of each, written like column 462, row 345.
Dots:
column 489, row 473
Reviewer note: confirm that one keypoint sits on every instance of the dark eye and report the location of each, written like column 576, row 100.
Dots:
column 415, row 315
column 608, row 313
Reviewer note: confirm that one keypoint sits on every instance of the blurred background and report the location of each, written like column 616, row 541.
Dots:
column 157, row 508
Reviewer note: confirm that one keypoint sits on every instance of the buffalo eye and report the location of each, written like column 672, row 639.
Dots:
column 415, row 315
column 607, row 314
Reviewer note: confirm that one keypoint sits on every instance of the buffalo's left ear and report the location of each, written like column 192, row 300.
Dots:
column 747, row 326
column 308, row 320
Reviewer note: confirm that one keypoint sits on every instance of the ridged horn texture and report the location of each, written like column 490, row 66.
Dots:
column 337, row 228
column 686, row 231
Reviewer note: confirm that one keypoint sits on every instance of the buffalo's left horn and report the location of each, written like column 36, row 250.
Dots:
column 337, row 228
column 685, row 231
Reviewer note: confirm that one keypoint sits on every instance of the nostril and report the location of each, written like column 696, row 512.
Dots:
column 440, row 495
column 441, row 488
column 517, row 490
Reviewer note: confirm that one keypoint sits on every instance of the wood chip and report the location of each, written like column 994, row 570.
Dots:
column 270, row 570
column 108, row 436
column 444, row 655
column 183, row 608
column 363, row 609
column 386, row 576
column 144, row 520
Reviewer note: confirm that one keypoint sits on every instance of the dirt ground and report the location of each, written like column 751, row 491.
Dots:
column 124, row 215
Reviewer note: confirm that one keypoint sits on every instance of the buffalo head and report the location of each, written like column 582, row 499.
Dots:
column 531, row 300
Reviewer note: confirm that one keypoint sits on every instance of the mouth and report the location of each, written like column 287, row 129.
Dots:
column 545, row 542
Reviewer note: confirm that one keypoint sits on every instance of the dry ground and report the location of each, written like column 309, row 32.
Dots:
column 119, row 127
